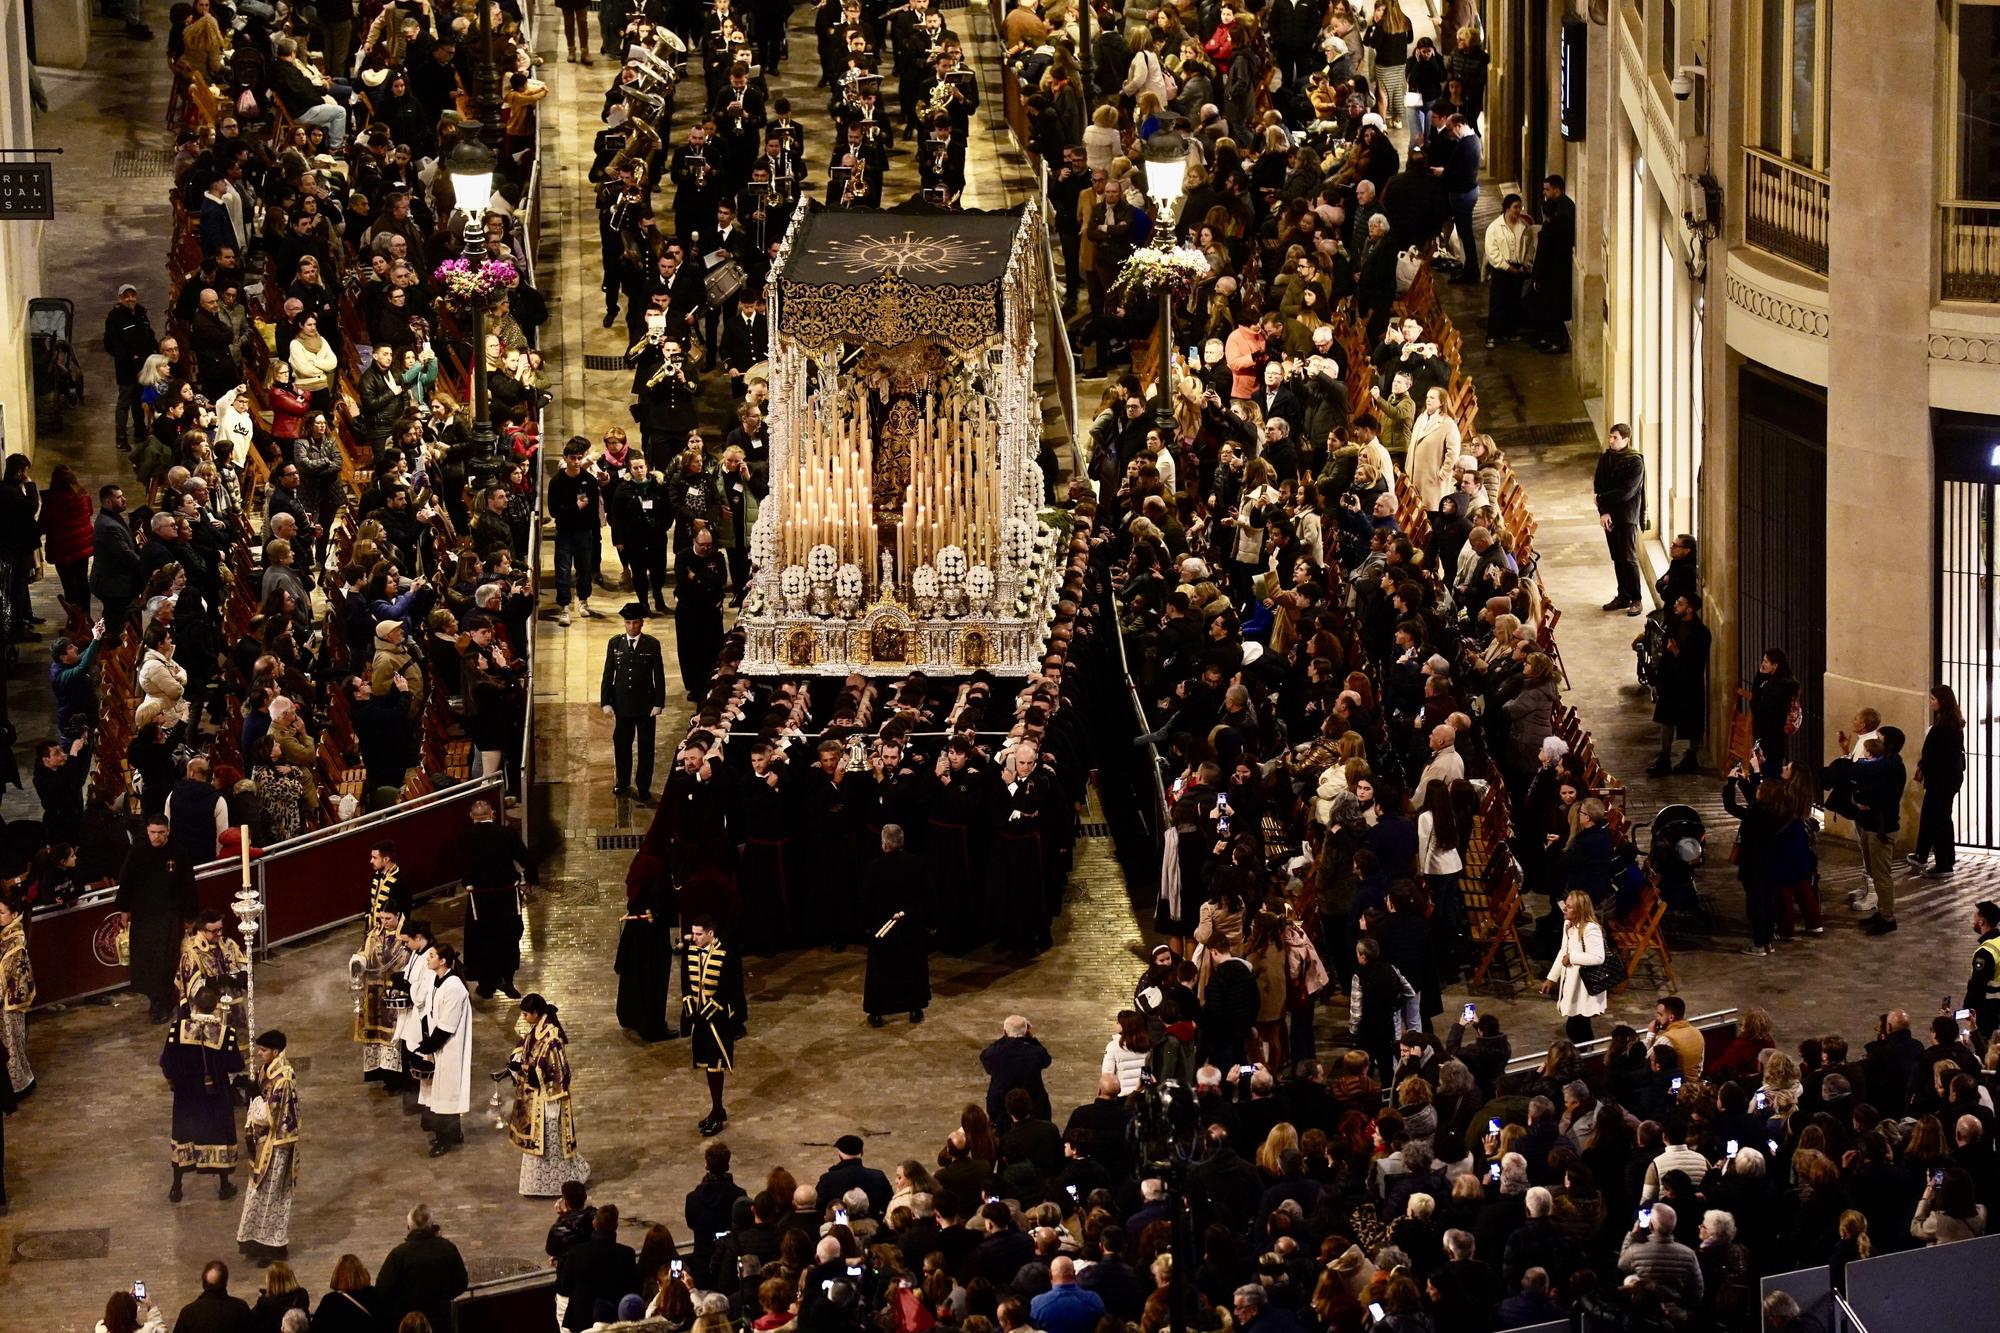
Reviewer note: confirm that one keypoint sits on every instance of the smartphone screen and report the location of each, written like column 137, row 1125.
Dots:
column 1676, row 1084
column 139, row 1289
column 840, row 1216
column 1732, row 1147
column 1645, row 1217
column 854, row 1270
column 1774, row 1146
column 1375, row 1311
column 1493, row 1173
column 1493, row 1127
column 1072, row 1190
column 674, row 1268
column 1470, row 1012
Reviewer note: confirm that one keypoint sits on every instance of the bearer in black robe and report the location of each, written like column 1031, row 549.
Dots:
column 202, row 1060
column 156, row 888
column 899, row 970
column 757, row 817
column 828, row 794
column 495, row 863
column 955, row 788
column 645, row 950
column 1016, row 868
column 695, row 804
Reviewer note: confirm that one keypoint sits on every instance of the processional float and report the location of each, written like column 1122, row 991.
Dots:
column 902, row 527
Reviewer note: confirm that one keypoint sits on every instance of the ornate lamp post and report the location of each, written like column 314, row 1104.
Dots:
column 248, row 906
column 1165, row 156
column 471, row 168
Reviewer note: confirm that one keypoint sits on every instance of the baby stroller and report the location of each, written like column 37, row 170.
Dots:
column 1676, row 847
column 58, row 375
column 1649, row 647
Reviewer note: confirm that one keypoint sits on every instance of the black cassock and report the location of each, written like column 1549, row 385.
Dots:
column 957, row 809
column 490, row 854
column 827, row 854
column 156, row 888
column 764, row 922
column 644, row 965
column 899, row 972
column 1017, row 866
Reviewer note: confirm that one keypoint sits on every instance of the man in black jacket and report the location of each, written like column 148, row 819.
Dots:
column 850, row 1172
column 129, row 338
column 424, row 1273
column 709, row 1207
column 703, row 585
column 1015, row 1059
column 215, row 1310
column 599, row 1272
column 1229, row 1007
column 1555, row 254
column 1620, row 487
column 640, row 518
column 632, row 694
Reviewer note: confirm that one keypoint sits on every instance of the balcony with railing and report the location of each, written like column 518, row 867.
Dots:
column 1969, row 251
column 1786, row 213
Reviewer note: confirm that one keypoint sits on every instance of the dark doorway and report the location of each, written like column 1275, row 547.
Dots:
column 1968, row 595
column 1781, row 531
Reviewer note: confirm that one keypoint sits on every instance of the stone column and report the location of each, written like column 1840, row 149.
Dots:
column 1879, row 483
column 1590, row 185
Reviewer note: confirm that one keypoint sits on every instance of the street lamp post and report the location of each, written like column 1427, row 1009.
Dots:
column 471, row 167
column 1165, row 156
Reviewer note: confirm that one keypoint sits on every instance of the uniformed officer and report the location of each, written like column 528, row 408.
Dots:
column 632, row 694
column 1982, row 991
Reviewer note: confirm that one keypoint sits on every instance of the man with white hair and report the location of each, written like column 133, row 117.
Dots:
column 1065, row 1307
column 1015, row 1060
column 1651, row 1252
column 1467, row 1289
column 1538, row 1242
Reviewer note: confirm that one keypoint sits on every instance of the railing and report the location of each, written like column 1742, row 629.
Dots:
column 1716, row 1021
column 1969, row 251
column 1787, row 210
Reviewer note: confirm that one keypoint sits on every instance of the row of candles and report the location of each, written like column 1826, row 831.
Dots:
column 953, row 495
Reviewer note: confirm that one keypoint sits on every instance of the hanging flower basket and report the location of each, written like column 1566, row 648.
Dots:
column 1180, row 269
column 464, row 288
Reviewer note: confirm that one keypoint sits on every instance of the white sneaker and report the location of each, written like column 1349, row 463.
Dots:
column 1862, row 903
column 562, row 616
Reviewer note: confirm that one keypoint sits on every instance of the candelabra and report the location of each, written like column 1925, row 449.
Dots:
column 248, row 905
column 470, row 165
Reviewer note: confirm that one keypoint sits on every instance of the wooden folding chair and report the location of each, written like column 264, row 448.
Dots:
column 1640, row 942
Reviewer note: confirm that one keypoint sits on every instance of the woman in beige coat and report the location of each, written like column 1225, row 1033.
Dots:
column 162, row 680
column 1433, row 451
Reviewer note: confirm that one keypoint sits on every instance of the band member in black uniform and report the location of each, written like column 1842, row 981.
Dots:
column 916, row 58
column 764, row 209
column 665, row 393
column 698, row 183
column 685, row 291
column 620, row 202
column 941, row 164
column 952, row 88
column 786, row 168
column 738, row 112
column 854, row 177
column 723, row 244
column 714, row 1013
column 746, row 340
column 495, row 863
column 632, row 693
column 781, row 121
column 1016, row 892
column 827, row 800
column 758, row 815
column 640, row 517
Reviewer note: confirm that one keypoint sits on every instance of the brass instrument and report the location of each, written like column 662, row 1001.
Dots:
column 640, row 145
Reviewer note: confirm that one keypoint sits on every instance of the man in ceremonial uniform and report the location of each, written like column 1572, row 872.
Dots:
column 156, row 890
column 17, row 996
column 854, row 177
column 713, row 1013
column 375, row 968
column 941, row 164
column 383, row 890
column 273, row 1126
column 210, row 957
column 632, row 693
column 640, row 517
column 202, row 1060
column 496, row 864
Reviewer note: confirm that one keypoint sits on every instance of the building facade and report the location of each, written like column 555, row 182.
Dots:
column 1796, row 303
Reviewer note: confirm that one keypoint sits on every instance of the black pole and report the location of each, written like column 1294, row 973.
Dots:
column 486, row 88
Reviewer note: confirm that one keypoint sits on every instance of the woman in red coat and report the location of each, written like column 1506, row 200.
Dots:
column 65, row 522
column 288, row 406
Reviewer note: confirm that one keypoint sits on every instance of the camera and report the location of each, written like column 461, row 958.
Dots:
column 1682, row 84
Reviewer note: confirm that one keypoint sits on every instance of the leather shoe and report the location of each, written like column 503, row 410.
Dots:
column 874, row 1020
column 1617, row 604
column 439, row 1148
column 916, row 1015
column 1633, row 609
column 1658, row 769
column 1879, row 925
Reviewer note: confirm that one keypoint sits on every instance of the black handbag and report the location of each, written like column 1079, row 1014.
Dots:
column 1602, row 978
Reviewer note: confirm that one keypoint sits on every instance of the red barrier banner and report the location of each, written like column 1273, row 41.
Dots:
column 310, row 885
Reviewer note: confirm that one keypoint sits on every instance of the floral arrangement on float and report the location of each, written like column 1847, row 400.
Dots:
column 1180, row 269
column 465, row 287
